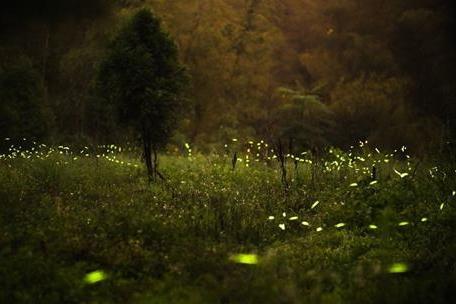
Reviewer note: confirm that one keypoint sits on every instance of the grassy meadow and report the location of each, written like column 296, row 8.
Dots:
column 84, row 225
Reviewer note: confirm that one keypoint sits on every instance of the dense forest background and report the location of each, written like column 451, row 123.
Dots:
column 316, row 72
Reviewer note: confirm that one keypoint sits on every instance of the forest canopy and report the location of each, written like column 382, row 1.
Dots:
column 359, row 70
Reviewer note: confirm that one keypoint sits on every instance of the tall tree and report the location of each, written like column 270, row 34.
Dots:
column 142, row 77
column 22, row 112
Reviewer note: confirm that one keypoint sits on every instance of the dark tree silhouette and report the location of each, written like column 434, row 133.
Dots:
column 142, row 77
column 22, row 111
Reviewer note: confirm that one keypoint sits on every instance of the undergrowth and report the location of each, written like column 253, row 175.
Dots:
column 335, row 235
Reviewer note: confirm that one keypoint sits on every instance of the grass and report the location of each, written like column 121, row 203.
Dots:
column 85, row 226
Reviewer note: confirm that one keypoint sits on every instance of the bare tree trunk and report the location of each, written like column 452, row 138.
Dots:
column 282, row 161
column 291, row 151
column 157, row 173
column 155, row 163
column 234, row 160
column 147, row 154
column 315, row 154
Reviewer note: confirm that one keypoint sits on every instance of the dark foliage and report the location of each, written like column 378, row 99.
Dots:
column 22, row 111
column 141, row 76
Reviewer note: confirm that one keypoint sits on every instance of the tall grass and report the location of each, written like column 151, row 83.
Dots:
column 69, row 215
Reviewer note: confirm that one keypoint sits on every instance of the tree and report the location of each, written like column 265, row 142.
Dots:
column 429, row 28
column 375, row 108
column 302, row 118
column 23, row 112
column 143, row 79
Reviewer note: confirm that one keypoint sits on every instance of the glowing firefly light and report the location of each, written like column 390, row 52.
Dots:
column 398, row 268
column 242, row 258
column 315, row 204
column 95, row 277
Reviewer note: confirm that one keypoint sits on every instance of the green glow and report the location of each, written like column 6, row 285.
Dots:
column 95, row 277
column 373, row 227
column 403, row 223
column 315, row 204
column 398, row 268
column 402, row 175
column 243, row 258
column 339, row 225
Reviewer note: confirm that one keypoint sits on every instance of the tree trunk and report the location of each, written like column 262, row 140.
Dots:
column 147, row 154
column 282, row 161
column 155, row 164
